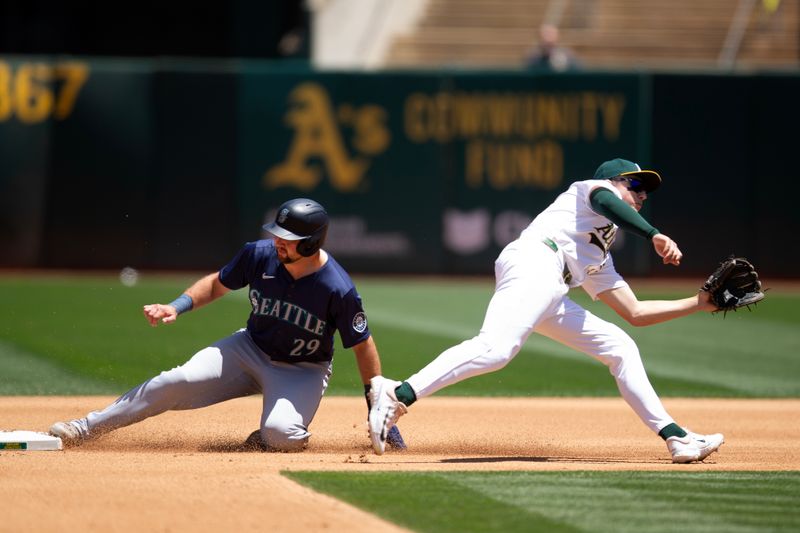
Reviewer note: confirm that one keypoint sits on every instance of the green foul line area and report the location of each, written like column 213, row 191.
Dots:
column 570, row 501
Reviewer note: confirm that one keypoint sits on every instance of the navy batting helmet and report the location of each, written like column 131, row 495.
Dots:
column 303, row 220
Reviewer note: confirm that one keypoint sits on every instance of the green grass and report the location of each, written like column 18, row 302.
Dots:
column 86, row 334
column 93, row 328
column 508, row 502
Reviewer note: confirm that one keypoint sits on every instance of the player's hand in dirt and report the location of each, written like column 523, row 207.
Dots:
column 159, row 312
column 667, row 249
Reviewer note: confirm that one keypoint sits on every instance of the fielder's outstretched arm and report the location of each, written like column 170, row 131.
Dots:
column 202, row 292
column 647, row 312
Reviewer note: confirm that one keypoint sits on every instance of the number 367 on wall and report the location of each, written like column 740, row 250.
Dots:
column 34, row 92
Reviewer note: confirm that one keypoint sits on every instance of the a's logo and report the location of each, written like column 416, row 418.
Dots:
column 360, row 322
column 318, row 141
column 267, row 276
column 282, row 215
column 604, row 237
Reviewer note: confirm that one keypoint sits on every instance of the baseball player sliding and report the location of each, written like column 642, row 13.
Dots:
column 567, row 245
column 300, row 296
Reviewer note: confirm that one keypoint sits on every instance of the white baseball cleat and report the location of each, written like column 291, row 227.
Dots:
column 693, row 447
column 385, row 411
column 71, row 433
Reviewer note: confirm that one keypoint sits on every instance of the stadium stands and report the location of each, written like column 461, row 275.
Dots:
column 682, row 34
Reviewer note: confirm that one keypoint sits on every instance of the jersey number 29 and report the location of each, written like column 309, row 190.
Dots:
column 301, row 347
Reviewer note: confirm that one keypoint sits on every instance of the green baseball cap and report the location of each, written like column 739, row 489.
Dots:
column 626, row 169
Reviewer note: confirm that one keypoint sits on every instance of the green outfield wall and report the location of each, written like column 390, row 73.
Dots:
column 173, row 164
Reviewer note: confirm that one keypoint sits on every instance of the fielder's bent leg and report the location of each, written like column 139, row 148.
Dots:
column 608, row 343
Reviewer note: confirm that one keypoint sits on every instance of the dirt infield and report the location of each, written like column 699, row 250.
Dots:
column 186, row 470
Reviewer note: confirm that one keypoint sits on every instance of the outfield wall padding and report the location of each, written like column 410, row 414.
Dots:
column 167, row 164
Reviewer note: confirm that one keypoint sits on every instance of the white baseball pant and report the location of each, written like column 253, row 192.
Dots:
column 531, row 295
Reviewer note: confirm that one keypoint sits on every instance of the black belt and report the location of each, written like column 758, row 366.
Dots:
column 566, row 274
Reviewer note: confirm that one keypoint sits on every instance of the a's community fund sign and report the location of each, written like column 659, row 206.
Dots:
column 445, row 167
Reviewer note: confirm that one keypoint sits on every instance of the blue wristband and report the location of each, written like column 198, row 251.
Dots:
column 182, row 303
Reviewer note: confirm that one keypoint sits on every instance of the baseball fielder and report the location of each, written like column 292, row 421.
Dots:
column 567, row 245
column 299, row 296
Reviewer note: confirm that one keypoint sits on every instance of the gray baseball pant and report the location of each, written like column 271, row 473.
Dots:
column 232, row 367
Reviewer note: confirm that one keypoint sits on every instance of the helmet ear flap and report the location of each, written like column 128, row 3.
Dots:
column 311, row 245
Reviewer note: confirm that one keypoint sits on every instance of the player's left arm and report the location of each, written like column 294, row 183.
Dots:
column 646, row 312
column 368, row 360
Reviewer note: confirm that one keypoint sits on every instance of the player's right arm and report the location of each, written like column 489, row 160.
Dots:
column 202, row 292
column 647, row 312
column 667, row 249
column 605, row 203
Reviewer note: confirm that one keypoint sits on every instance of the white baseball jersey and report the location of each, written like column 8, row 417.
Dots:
column 582, row 235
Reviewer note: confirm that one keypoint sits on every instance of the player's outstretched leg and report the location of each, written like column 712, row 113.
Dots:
column 606, row 342
column 203, row 380
column 72, row 433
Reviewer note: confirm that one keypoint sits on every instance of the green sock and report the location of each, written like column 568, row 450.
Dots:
column 672, row 430
column 405, row 393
